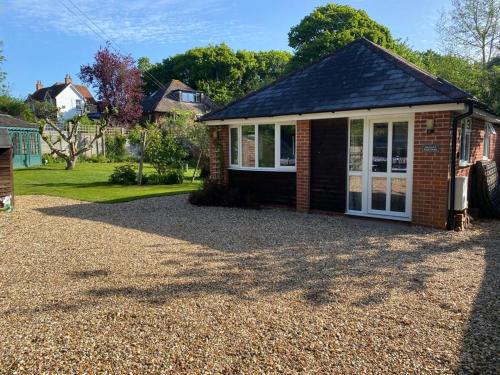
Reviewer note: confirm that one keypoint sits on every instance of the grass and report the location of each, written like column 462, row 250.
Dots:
column 89, row 182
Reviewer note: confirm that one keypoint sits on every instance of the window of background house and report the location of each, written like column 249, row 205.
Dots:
column 248, row 146
column 465, row 136
column 234, row 146
column 287, row 145
column 266, row 146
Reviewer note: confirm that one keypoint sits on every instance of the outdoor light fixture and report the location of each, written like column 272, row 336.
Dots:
column 429, row 126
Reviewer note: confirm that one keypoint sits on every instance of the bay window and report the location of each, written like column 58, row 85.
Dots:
column 263, row 146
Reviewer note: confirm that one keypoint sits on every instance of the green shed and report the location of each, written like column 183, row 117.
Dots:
column 26, row 142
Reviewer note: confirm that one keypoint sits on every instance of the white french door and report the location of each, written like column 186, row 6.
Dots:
column 380, row 167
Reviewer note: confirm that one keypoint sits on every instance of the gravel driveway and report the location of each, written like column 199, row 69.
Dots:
column 159, row 286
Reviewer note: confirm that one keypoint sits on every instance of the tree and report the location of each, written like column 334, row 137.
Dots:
column 164, row 152
column 471, row 28
column 331, row 27
column 118, row 85
column 3, row 86
column 75, row 144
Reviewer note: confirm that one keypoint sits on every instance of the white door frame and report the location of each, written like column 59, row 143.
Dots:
column 366, row 173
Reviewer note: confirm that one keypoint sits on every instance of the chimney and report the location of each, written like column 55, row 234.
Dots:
column 67, row 80
column 39, row 85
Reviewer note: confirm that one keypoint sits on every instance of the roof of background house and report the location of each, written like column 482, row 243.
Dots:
column 166, row 100
column 86, row 93
column 57, row 88
column 5, row 139
column 360, row 75
column 9, row 121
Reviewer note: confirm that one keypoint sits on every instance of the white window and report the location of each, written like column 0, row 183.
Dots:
column 191, row 97
column 263, row 146
column 465, row 136
column 488, row 131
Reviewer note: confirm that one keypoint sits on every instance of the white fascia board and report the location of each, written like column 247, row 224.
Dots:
column 487, row 116
column 339, row 114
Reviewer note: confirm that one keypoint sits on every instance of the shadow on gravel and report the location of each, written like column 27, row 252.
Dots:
column 481, row 346
column 249, row 253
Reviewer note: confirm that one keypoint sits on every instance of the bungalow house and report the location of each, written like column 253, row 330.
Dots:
column 360, row 132
column 175, row 96
column 71, row 99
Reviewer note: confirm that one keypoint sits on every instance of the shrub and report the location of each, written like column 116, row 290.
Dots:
column 115, row 147
column 50, row 159
column 215, row 194
column 164, row 153
column 95, row 159
column 123, row 175
column 175, row 176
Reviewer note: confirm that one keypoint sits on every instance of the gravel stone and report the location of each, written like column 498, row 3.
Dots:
column 160, row 286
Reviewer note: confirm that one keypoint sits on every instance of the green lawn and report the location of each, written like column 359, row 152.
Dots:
column 89, row 182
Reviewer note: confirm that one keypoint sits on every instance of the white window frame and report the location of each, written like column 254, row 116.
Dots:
column 465, row 133
column 488, row 131
column 277, row 148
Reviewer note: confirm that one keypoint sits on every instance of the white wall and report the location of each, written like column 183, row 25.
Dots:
column 66, row 102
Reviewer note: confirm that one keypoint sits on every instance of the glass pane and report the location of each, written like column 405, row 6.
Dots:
column 287, row 146
column 248, row 145
column 356, row 146
column 355, row 193
column 399, row 147
column 266, row 146
column 379, row 188
column 398, row 195
column 234, row 146
column 380, row 135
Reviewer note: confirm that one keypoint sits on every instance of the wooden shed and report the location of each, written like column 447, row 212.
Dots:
column 6, row 175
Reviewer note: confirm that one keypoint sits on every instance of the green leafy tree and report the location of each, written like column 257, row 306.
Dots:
column 16, row 107
column 164, row 152
column 331, row 27
column 224, row 74
column 3, row 85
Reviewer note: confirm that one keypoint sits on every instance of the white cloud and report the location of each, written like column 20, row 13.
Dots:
column 159, row 21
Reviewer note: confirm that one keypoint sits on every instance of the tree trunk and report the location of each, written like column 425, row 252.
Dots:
column 141, row 157
column 197, row 165
column 70, row 163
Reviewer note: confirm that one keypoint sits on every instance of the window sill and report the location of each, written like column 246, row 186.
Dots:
column 251, row 169
column 463, row 164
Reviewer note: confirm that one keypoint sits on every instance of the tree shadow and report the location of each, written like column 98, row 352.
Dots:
column 481, row 343
column 251, row 254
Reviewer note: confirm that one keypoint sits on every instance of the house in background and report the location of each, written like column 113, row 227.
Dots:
column 360, row 132
column 175, row 96
column 71, row 99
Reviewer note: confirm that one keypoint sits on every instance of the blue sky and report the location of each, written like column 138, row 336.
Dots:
column 45, row 39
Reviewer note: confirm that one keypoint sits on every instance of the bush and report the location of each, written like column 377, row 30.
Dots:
column 95, row 159
column 170, row 178
column 123, row 175
column 50, row 159
column 115, row 148
column 164, row 153
column 215, row 194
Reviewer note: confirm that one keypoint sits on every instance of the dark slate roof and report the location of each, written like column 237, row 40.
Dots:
column 4, row 139
column 361, row 75
column 167, row 99
column 7, row 121
column 53, row 91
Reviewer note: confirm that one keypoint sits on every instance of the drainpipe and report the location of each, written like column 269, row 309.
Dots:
column 454, row 133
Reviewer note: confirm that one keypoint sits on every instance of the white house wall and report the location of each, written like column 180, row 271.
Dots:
column 66, row 102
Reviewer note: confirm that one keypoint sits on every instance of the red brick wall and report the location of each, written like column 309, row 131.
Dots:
column 219, row 153
column 303, row 164
column 431, row 170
